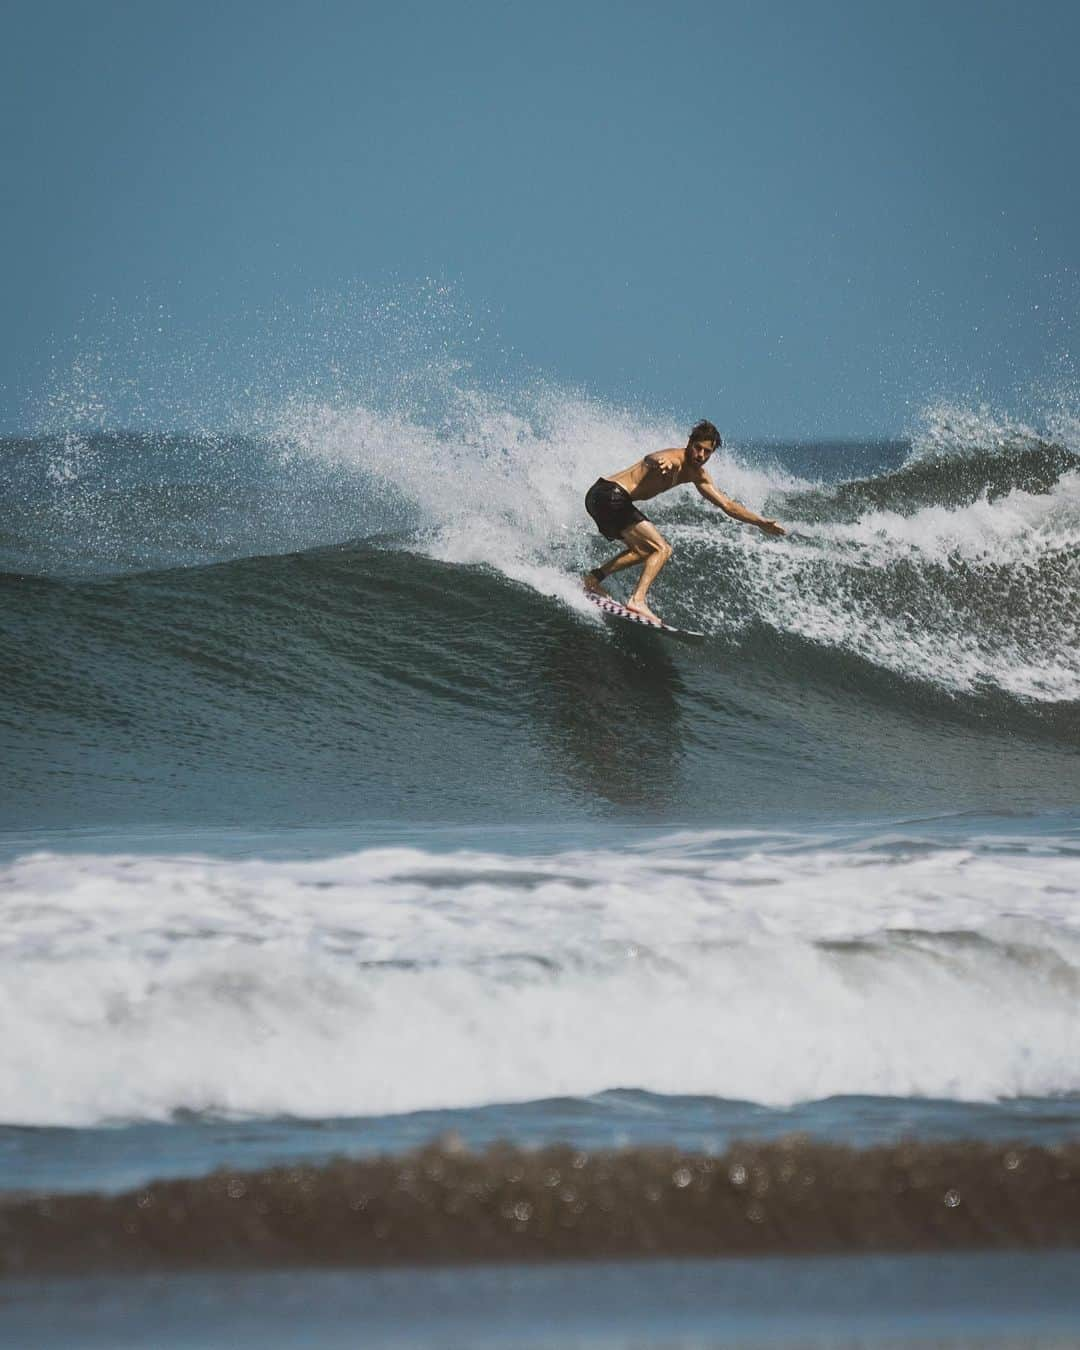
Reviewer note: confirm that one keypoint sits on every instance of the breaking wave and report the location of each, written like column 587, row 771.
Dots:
column 759, row 968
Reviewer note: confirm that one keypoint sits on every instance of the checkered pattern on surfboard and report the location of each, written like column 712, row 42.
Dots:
column 610, row 606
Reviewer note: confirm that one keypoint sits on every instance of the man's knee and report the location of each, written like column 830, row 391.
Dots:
column 644, row 549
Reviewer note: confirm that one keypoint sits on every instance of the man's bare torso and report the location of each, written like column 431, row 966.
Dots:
column 655, row 474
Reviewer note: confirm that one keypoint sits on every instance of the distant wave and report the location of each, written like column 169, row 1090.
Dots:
column 946, row 482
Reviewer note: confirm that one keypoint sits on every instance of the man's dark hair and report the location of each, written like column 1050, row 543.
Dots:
column 705, row 431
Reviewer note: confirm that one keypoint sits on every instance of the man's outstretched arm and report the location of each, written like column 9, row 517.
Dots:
column 734, row 509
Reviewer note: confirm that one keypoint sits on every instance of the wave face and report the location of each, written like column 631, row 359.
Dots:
column 187, row 637
column 760, row 968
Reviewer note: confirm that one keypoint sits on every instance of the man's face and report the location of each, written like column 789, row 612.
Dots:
column 700, row 452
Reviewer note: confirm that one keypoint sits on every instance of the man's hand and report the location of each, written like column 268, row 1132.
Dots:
column 770, row 527
column 666, row 464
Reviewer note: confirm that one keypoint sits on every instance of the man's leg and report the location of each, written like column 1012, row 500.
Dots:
column 600, row 574
column 645, row 538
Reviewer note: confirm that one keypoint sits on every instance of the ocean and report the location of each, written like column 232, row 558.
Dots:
column 336, row 825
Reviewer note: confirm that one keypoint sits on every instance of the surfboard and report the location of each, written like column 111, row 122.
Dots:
column 610, row 606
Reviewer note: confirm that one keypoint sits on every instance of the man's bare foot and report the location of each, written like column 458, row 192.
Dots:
column 640, row 607
column 591, row 584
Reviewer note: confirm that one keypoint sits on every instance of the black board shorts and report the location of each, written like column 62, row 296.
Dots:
column 610, row 506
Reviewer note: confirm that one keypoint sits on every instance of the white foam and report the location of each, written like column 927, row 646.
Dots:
column 1015, row 530
column 394, row 979
column 1011, row 621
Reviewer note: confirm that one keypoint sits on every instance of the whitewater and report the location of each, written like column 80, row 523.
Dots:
column 395, row 980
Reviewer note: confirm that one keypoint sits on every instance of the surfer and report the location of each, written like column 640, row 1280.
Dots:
column 610, row 502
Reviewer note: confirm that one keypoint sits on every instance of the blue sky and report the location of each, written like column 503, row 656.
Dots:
column 799, row 219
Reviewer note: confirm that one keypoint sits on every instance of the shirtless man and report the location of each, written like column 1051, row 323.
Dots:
column 610, row 502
